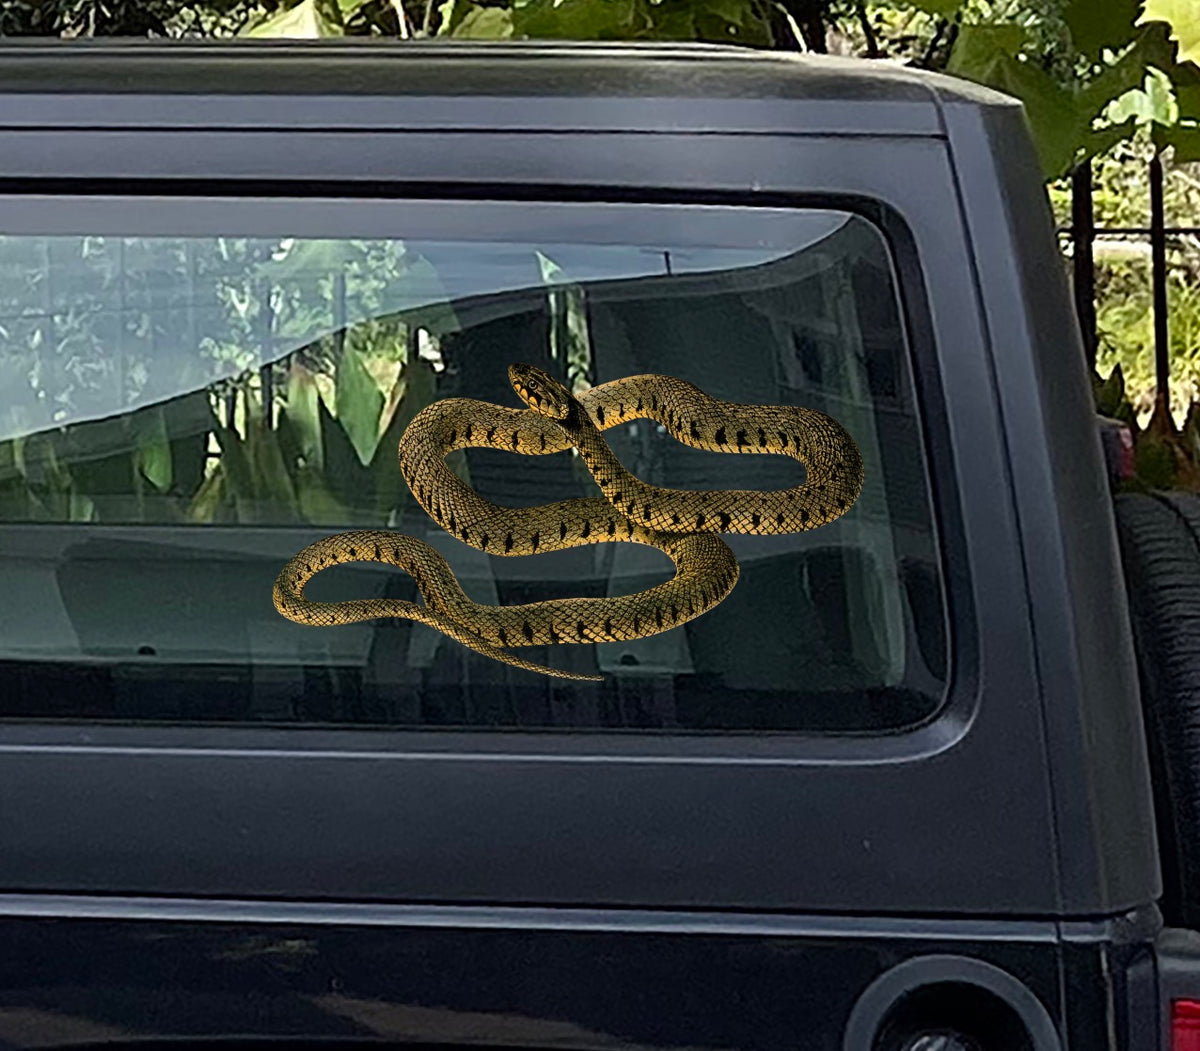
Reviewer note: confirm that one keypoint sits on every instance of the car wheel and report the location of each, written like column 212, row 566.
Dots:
column 1160, row 547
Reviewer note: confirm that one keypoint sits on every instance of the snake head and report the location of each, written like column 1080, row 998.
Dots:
column 541, row 391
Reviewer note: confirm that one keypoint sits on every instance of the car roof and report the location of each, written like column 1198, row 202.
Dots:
column 743, row 89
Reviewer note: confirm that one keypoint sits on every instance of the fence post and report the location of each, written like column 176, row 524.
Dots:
column 1158, row 259
column 1083, row 236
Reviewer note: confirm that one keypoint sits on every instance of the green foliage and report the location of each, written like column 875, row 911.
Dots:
column 359, row 404
column 1124, row 306
column 470, row 22
column 1164, row 456
column 304, row 466
column 310, row 465
column 944, row 8
column 1183, row 16
column 730, row 21
column 99, row 334
column 35, row 486
column 1095, row 27
column 1093, row 88
column 1111, row 400
column 136, row 467
column 309, row 18
column 992, row 55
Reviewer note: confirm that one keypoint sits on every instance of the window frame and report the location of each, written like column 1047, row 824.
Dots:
column 186, row 216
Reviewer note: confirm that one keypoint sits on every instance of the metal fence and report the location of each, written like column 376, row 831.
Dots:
column 1084, row 232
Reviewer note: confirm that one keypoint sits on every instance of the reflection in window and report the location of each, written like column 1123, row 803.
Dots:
column 181, row 414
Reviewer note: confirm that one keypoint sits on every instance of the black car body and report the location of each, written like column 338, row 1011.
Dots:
column 968, row 849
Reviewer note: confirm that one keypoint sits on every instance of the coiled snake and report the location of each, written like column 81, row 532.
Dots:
column 682, row 523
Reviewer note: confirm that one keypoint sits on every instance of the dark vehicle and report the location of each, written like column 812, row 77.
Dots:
column 893, row 793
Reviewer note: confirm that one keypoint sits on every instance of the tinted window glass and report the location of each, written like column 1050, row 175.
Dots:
column 191, row 392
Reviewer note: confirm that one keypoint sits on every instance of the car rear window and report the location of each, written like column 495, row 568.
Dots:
column 193, row 391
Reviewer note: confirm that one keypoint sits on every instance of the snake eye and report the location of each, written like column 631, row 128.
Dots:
column 541, row 391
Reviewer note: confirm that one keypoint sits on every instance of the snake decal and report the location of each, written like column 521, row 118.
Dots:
column 685, row 524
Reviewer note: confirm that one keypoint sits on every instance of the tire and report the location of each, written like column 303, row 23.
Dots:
column 1160, row 548
column 1187, row 506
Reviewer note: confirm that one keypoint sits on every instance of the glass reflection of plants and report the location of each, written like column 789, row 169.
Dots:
column 222, row 380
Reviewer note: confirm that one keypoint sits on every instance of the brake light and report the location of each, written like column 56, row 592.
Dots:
column 1185, row 1025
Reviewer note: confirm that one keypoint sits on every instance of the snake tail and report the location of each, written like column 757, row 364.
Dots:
column 432, row 574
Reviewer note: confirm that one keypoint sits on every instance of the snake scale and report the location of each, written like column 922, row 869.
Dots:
column 685, row 524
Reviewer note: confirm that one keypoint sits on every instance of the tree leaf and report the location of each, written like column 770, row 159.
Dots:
column 420, row 391
column 736, row 12
column 978, row 49
column 301, row 411
column 203, row 506
column 79, row 507
column 344, row 475
column 1099, row 24
column 1105, row 139
column 1184, row 138
column 307, row 20
column 239, row 475
column 1111, row 393
column 720, row 20
column 189, row 421
column 359, row 404
column 1186, row 79
column 676, row 21
column 1152, row 103
column 450, row 15
column 988, row 55
column 272, row 484
column 944, row 8
column 1183, row 17
column 1125, row 74
column 581, row 19
column 152, row 447
column 484, row 23
column 1059, row 129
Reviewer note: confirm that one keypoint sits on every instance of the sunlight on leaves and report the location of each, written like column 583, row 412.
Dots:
column 308, row 20
column 1183, row 16
column 1153, row 102
column 482, row 23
